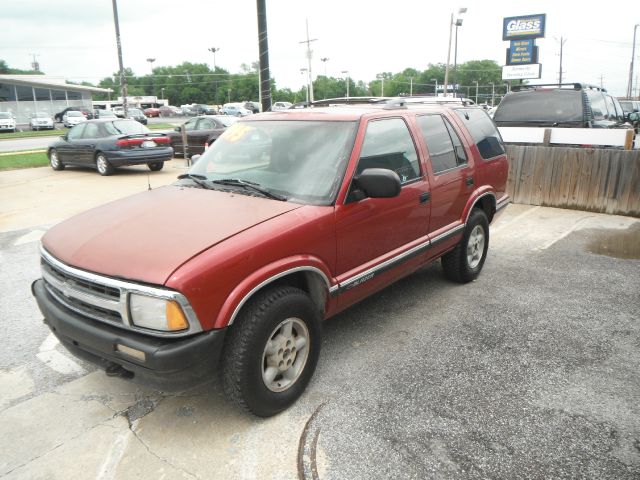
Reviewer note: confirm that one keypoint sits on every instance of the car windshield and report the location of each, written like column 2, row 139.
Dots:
column 40, row 115
column 5, row 115
column 552, row 106
column 106, row 113
column 303, row 161
column 73, row 113
column 135, row 111
column 125, row 127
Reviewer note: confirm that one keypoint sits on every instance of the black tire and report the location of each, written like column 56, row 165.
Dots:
column 155, row 166
column 103, row 166
column 54, row 160
column 246, row 361
column 464, row 263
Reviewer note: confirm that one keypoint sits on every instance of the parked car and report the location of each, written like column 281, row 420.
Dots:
column 151, row 112
column 201, row 133
column 7, row 122
column 88, row 114
column 287, row 219
column 118, row 111
column 170, row 111
column 102, row 113
column 253, row 107
column 235, row 109
column 137, row 115
column 72, row 118
column 106, row 144
column 572, row 105
column 280, row 106
column 630, row 107
column 40, row 120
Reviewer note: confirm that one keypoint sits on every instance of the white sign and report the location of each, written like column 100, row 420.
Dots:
column 521, row 72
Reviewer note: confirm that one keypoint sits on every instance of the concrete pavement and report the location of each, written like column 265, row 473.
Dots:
column 532, row 371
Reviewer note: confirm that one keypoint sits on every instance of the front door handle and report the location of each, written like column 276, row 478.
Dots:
column 469, row 181
column 424, row 197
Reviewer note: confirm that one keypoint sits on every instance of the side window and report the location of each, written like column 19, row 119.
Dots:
column 439, row 143
column 610, row 108
column 190, row 125
column 388, row 144
column 205, row 124
column 76, row 132
column 461, row 155
column 483, row 131
column 91, row 130
column 598, row 105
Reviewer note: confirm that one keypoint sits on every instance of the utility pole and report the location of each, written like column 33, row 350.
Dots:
column 633, row 54
column 309, row 53
column 214, row 50
column 562, row 42
column 123, row 80
column 35, row 66
column 263, row 43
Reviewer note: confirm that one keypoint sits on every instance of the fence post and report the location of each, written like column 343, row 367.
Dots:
column 628, row 139
column 547, row 137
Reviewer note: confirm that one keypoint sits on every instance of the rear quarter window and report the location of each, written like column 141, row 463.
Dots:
column 483, row 131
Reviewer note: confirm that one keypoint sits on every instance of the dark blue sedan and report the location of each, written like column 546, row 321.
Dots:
column 106, row 144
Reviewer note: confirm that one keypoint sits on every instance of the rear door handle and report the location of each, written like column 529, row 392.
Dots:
column 424, row 197
column 469, row 181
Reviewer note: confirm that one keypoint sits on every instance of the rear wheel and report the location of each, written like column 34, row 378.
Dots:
column 464, row 263
column 155, row 166
column 271, row 351
column 103, row 165
column 54, row 160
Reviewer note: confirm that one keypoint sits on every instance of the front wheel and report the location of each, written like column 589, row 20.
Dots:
column 54, row 160
column 103, row 165
column 155, row 166
column 271, row 351
column 464, row 263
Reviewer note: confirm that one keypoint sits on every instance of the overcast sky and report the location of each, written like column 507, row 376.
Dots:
column 75, row 39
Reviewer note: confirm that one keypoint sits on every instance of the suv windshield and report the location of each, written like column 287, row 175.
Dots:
column 546, row 106
column 303, row 161
column 5, row 115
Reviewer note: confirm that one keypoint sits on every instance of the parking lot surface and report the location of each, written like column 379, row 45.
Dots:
column 531, row 371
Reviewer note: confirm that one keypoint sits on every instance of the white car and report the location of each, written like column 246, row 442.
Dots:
column 72, row 118
column 280, row 106
column 7, row 122
column 235, row 109
column 40, row 120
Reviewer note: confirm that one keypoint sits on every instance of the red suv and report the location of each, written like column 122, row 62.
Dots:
column 289, row 218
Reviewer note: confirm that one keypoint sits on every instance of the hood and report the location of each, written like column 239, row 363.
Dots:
column 147, row 236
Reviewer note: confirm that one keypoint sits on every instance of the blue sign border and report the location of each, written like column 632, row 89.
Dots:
column 538, row 16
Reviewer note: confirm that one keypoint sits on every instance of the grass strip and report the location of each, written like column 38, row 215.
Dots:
column 37, row 133
column 23, row 160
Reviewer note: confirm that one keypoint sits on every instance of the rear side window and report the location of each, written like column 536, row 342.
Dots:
column 598, row 105
column 483, row 131
column 548, row 106
column 437, row 136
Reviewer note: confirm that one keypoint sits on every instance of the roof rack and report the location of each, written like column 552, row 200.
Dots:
column 575, row 86
column 350, row 101
column 392, row 102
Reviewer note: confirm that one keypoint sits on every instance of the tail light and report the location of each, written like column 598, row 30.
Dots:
column 136, row 142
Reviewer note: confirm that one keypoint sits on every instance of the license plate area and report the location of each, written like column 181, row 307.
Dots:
column 148, row 144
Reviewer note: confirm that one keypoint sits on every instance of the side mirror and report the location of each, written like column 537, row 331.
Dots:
column 634, row 116
column 195, row 158
column 64, row 137
column 379, row 183
column 177, row 129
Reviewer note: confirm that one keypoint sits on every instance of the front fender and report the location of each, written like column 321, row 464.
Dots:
column 267, row 275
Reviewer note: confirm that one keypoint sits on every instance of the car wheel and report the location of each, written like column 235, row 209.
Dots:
column 271, row 351
column 155, row 166
column 103, row 165
column 54, row 160
column 464, row 263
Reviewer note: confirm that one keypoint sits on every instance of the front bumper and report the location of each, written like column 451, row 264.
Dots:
column 168, row 364
column 120, row 158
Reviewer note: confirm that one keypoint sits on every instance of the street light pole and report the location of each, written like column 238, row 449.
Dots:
column 493, row 94
column 476, row 82
column 309, row 54
column 435, row 90
column 151, row 60
column 446, row 68
column 455, row 59
column 326, row 82
column 633, row 54
column 347, row 73
column 214, row 50
column 380, row 76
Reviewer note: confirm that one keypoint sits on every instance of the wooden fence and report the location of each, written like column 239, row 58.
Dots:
column 596, row 180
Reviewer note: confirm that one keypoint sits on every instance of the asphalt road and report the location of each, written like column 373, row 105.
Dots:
column 41, row 143
column 532, row 371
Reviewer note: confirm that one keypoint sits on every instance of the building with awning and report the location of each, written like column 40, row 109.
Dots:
column 22, row 95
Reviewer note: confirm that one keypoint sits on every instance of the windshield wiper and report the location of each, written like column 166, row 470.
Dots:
column 195, row 178
column 237, row 182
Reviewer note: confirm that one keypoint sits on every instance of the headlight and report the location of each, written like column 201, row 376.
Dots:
column 157, row 313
